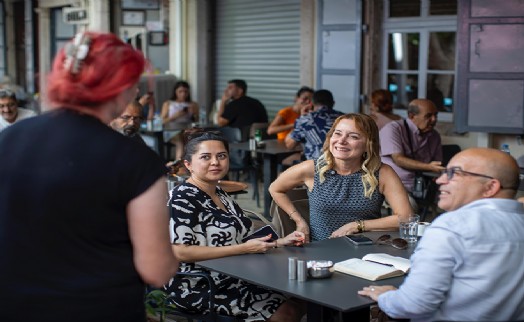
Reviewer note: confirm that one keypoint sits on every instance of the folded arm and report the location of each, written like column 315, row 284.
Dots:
column 410, row 164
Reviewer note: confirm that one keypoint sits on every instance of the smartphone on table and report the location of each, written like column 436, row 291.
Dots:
column 360, row 240
column 262, row 232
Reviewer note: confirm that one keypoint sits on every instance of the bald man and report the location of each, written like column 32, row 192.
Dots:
column 469, row 264
column 129, row 122
column 413, row 144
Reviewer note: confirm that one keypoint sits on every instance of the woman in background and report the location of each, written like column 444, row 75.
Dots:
column 382, row 108
column 284, row 121
column 347, row 184
column 179, row 109
column 206, row 223
column 83, row 228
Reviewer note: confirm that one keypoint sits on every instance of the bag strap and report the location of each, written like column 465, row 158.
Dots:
column 409, row 139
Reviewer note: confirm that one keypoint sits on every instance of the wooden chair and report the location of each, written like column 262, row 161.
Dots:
column 280, row 220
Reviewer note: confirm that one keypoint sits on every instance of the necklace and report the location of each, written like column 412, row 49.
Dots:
column 213, row 190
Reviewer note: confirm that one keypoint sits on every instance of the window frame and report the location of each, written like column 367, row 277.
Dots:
column 423, row 25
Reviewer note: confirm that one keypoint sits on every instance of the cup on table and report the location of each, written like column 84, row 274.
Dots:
column 408, row 228
column 422, row 227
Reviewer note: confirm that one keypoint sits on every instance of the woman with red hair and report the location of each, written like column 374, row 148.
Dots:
column 382, row 108
column 82, row 208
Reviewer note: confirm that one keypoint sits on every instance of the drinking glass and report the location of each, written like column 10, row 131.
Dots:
column 408, row 228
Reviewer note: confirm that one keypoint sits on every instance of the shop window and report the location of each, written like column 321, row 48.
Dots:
column 420, row 57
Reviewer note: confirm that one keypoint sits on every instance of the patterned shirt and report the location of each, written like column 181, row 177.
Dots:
column 197, row 220
column 311, row 129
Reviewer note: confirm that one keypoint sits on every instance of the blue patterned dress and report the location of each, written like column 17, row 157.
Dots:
column 196, row 220
column 340, row 200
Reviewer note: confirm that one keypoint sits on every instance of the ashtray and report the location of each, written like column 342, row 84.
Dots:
column 320, row 268
column 261, row 145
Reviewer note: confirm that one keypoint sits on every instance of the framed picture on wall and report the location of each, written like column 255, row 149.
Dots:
column 140, row 4
column 133, row 17
column 158, row 38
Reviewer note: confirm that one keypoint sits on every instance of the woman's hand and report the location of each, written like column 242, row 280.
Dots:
column 347, row 229
column 303, row 227
column 296, row 238
column 258, row 245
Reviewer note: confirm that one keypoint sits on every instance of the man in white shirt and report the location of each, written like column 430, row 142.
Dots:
column 468, row 266
column 10, row 111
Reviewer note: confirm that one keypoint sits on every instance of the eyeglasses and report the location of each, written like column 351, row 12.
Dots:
column 398, row 243
column 450, row 172
column 129, row 117
column 10, row 105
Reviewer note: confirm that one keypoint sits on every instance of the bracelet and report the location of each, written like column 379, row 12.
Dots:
column 292, row 213
column 361, row 226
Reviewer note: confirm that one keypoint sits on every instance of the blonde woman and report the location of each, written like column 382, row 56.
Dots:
column 347, row 184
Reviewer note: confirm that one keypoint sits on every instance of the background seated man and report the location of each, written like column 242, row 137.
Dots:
column 239, row 110
column 11, row 113
column 129, row 122
column 468, row 266
column 311, row 129
column 413, row 144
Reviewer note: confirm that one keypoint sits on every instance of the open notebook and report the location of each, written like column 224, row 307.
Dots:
column 374, row 267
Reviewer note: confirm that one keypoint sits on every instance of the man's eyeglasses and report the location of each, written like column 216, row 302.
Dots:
column 129, row 117
column 398, row 243
column 450, row 172
column 10, row 105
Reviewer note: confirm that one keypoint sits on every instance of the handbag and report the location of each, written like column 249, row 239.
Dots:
column 419, row 183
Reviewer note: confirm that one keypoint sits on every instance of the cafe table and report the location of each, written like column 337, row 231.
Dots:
column 272, row 151
column 163, row 135
column 338, row 293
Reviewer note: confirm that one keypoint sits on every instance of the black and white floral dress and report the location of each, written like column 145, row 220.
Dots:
column 197, row 220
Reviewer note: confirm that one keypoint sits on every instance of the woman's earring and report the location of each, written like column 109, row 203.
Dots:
column 365, row 155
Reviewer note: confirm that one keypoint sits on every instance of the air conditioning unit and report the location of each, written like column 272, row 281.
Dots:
column 75, row 15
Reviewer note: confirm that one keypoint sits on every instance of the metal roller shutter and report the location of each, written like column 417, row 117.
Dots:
column 259, row 41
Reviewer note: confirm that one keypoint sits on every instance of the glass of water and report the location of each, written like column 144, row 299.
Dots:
column 408, row 228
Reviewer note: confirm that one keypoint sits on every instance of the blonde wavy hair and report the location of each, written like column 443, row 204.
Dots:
column 370, row 159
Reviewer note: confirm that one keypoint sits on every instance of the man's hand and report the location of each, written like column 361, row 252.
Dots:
column 145, row 99
column 374, row 291
column 436, row 166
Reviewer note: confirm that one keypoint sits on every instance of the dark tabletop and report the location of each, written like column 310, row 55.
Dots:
column 338, row 292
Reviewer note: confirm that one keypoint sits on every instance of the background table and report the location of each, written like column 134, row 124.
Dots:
column 272, row 152
column 161, row 144
column 338, row 292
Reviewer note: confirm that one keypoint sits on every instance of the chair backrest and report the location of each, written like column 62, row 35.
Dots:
column 237, row 158
column 298, row 193
column 448, row 151
column 281, row 222
column 232, row 134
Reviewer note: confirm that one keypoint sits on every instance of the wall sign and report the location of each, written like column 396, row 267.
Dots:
column 140, row 4
column 133, row 17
